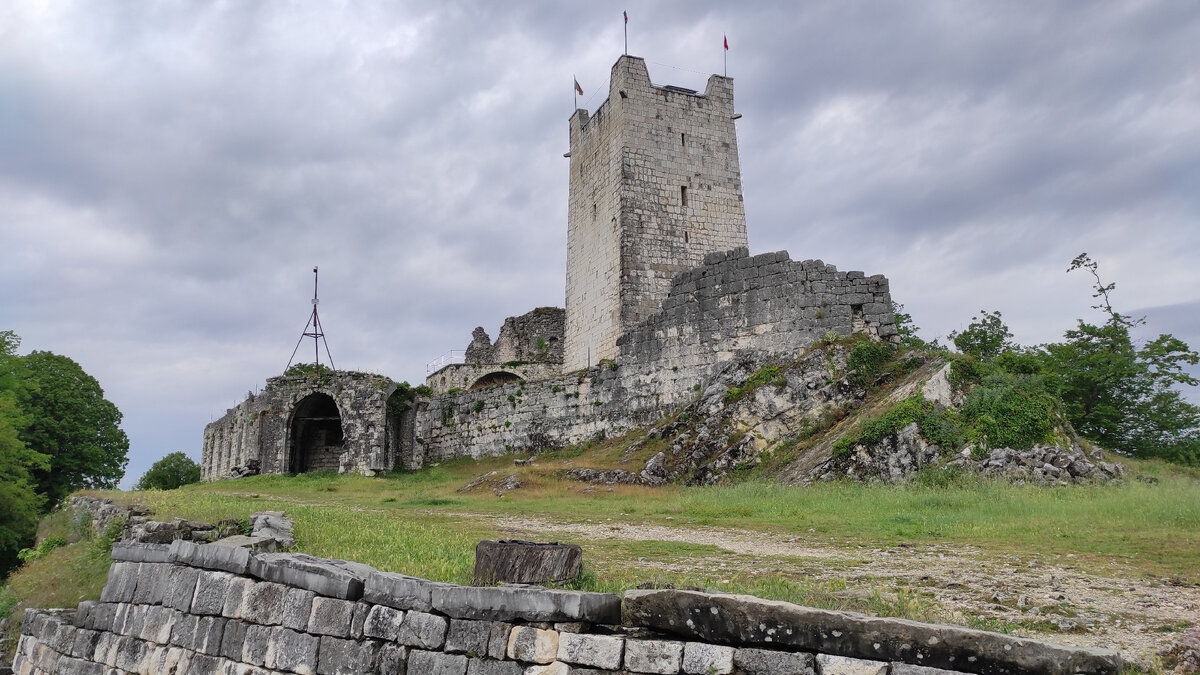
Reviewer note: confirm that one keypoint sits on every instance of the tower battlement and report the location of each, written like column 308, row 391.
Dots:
column 655, row 185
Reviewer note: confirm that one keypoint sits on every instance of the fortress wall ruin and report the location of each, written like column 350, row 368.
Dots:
column 262, row 428
column 766, row 305
column 207, row 608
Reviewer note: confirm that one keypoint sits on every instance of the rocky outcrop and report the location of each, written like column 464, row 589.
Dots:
column 1043, row 464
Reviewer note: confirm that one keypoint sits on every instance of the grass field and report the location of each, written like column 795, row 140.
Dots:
column 420, row 524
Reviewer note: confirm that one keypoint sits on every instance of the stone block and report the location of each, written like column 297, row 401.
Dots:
column 421, row 630
column 526, row 643
column 163, row 659
column 510, row 603
column 498, row 640
column 273, row 525
column 400, row 591
column 157, row 624
column 266, row 604
column 827, row 664
column 210, row 592
column 701, row 658
column 653, row 656
column 237, row 597
column 601, row 651
column 393, row 658
column 523, row 562
column 489, row 667
column 359, row 620
column 907, row 669
column 85, row 643
column 332, row 578
column 468, row 637
column 297, row 607
column 754, row 622
column 346, row 657
column 555, row 668
column 436, row 663
column 232, row 639
column 129, row 653
column 207, row 636
column 206, row 556
column 752, row 661
column 330, row 616
column 203, row 664
column 180, row 588
column 383, row 622
column 256, row 643
column 122, row 581
column 134, row 551
column 251, row 544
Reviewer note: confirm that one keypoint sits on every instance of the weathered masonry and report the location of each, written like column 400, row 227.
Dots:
column 661, row 293
column 337, row 421
column 208, row 608
column 655, row 185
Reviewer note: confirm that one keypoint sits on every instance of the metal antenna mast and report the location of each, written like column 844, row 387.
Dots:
column 313, row 330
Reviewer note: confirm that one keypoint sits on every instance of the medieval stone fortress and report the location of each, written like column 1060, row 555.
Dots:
column 661, row 293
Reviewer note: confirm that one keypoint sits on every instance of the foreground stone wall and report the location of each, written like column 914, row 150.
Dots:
column 191, row 608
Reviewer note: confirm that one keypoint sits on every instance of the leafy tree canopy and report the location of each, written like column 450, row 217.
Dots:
column 71, row 422
column 985, row 338
column 20, row 505
column 174, row 470
column 1119, row 394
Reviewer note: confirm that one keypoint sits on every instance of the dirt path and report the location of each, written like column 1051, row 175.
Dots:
column 1049, row 599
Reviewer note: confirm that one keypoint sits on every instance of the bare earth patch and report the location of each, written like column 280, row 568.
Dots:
column 1046, row 598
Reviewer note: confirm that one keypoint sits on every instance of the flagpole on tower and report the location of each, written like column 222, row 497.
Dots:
column 626, row 15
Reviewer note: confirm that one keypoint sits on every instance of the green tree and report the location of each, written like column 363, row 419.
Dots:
column 1118, row 394
column 985, row 338
column 20, row 505
column 72, row 423
column 174, row 470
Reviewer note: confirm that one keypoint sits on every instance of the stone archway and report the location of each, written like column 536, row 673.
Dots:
column 316, row 435
column 494, row 378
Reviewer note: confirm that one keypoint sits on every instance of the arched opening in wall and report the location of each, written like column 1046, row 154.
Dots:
column 493, row 379
column 316, row 435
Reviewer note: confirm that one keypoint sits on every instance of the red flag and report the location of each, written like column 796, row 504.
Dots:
column 578, row 89
column 726, row 42
column 626, row 16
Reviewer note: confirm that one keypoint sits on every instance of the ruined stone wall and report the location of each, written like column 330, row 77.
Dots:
column 533, row 337
column 191, row 608
column 655, row 184
column 765, row 305
column 260, row 428
column 463, row 376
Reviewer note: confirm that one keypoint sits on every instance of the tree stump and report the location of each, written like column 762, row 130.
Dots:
column 525, row 562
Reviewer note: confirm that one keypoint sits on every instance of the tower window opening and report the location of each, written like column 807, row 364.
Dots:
column 685, row 236
column 683, row 195
column 683, row 139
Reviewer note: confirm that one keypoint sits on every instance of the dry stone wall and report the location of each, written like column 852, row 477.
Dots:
column 188, row 608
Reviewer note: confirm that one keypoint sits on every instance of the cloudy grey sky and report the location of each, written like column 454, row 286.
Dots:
column 170, row 172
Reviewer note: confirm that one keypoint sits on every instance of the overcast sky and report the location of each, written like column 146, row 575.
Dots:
column 171, row 172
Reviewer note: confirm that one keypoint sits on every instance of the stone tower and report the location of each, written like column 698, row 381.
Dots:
column 655, row 185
